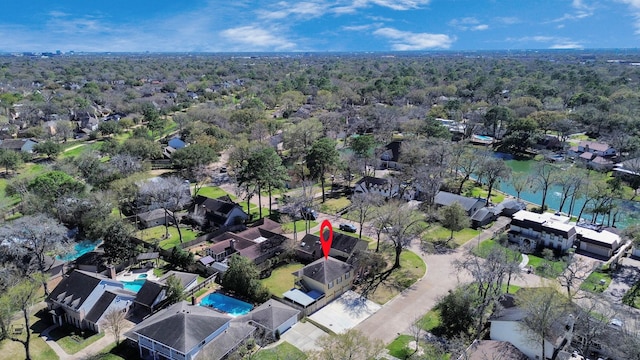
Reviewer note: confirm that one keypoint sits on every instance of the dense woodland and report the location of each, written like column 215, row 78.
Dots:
column 317, row 107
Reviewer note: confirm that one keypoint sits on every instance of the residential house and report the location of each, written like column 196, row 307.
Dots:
column 627, row 170
column 82, row 299
column 273, row 317
column 152, row 218
column 322, row 281
column 187, row 332
column 187, row 280
column 594, row 239
column 531, row 230
column 218, row 213
column 483, row 217
column 173, row 145
column 596, row 148
column 492, row 349
column 390, row 158
column 150, row 295
column 18, row 145
column 374, row 185
column 343, row 247
column 507, row 326
column 470, row 205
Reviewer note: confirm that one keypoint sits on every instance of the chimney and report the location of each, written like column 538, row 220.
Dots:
column 112, row 272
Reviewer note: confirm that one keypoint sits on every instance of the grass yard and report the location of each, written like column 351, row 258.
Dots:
column 596, row 282
column 120, row 352
column 439, row 233
column 332, row 206
column 486, row 246
column 38, row 348
column 213, row 192
column 299, row 225
column 283, row 351
column 398, row 347
column 411, row 269
column 157, row 233
column 74, row 151
column 496, row 196
column 430, row 320
column 281, row 279
column 71, row 340
column 632, row 297
column 546, row 268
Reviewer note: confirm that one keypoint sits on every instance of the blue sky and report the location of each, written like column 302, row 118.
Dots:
column 316, row 25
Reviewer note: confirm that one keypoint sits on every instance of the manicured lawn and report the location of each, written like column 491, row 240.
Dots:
column 546, row 268
column 430, row 320
column 121, row 352
column 332, row 206
column 283, row 351
column 71, row 340
column 439, row 233
column 496, row 197
column 288, row 227
column 38, row 348
column 411, row 269
column 398, row 347
column 596, row 282
column 281, row 279
column 79, row 149
column 157, row 233
column 486, row 246
column 213, row 192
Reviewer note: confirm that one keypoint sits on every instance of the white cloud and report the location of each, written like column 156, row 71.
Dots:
column 407, row 41
column 400, row 5
column 305, row 10
column 566, row 45
column 581, row 10
column 635, row 8
column 468, row 23
column 359, row 27
column 251, row 38
column 552, row 42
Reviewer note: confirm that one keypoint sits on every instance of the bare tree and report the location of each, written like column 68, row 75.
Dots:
column 576, row 271
column 365, row 204
column 520, row 181
column 114, row 322
column 31, row 243
column 170, row 194
column 351, row 344
column 543, row 178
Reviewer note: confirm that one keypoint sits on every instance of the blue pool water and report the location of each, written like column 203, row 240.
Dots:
column 483, row 137
column 79, row 249
column 134, row 285
column 231, row 306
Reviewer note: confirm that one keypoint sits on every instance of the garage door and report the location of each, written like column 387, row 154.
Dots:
column 595, row 249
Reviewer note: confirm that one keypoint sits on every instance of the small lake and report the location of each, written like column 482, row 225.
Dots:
column 630, row 209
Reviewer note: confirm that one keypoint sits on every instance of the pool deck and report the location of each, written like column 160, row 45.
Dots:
column 134, row 274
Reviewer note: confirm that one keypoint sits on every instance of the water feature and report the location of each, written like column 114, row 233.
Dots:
column 134, row 285
column 229, row 305
column 79, row 249
column 630, row 209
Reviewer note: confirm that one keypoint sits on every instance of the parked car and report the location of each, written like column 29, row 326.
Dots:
column 348, row 228
column 387, row 229
column 308, row 213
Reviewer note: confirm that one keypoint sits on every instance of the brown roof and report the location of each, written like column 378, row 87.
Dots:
column 492, row 349
column 592, row 145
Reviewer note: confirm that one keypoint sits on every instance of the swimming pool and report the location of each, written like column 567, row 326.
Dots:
column 79, row 249
column 231, row 306
column 134, row 285
column 483, row 137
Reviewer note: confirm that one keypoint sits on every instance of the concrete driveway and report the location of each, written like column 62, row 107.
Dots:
column 345, row 312
column 303, row 335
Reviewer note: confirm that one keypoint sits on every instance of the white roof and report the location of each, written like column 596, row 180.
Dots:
column 299, row 297
column 541, row 218
column 603, row 236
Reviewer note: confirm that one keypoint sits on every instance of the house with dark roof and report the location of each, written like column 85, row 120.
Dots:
column 82, row 299
column 329, row 278
column 187, row 280
column 380, row 186
column 492, row 349
column 389, row 159
column 218, row 213
column 470, row 205
column 343, row 247
column 273, row 317
column 174, row 144
column 152, row 218
column 506, row 325
column 18, row 145
column 188, row 332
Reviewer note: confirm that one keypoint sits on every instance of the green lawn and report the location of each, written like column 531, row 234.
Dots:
column 439, row 233
column 121, row 352
column 398, row 347
column 546, row 268
column 74, row 152
column 38, row 348
column 157, row 233
column 477, row 192
column 332, row 206
column 71, row 340
column 632, row 296
column 213, row 192
column 411, row 269
column 596, row 282
column 288, row 227
column 486, row 246
column 283, row 351
column 430, row 320
column 281, row 279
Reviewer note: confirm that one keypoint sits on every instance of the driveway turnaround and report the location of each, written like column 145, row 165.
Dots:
column 345, row 312
column 303, row 335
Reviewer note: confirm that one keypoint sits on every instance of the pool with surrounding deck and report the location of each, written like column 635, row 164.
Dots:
column 79, row 249
column 136, row 284
column 229, row 305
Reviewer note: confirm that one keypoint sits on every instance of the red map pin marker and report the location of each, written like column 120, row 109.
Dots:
column 326, row 243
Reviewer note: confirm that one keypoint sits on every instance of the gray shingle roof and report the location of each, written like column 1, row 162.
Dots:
column 185, row 278
column 444, row 198
column 325, row 271
column 272, row 314
column 100, row 306
column 182, row 326
column 226, row 342
column 149, row 292
column 74, row 289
